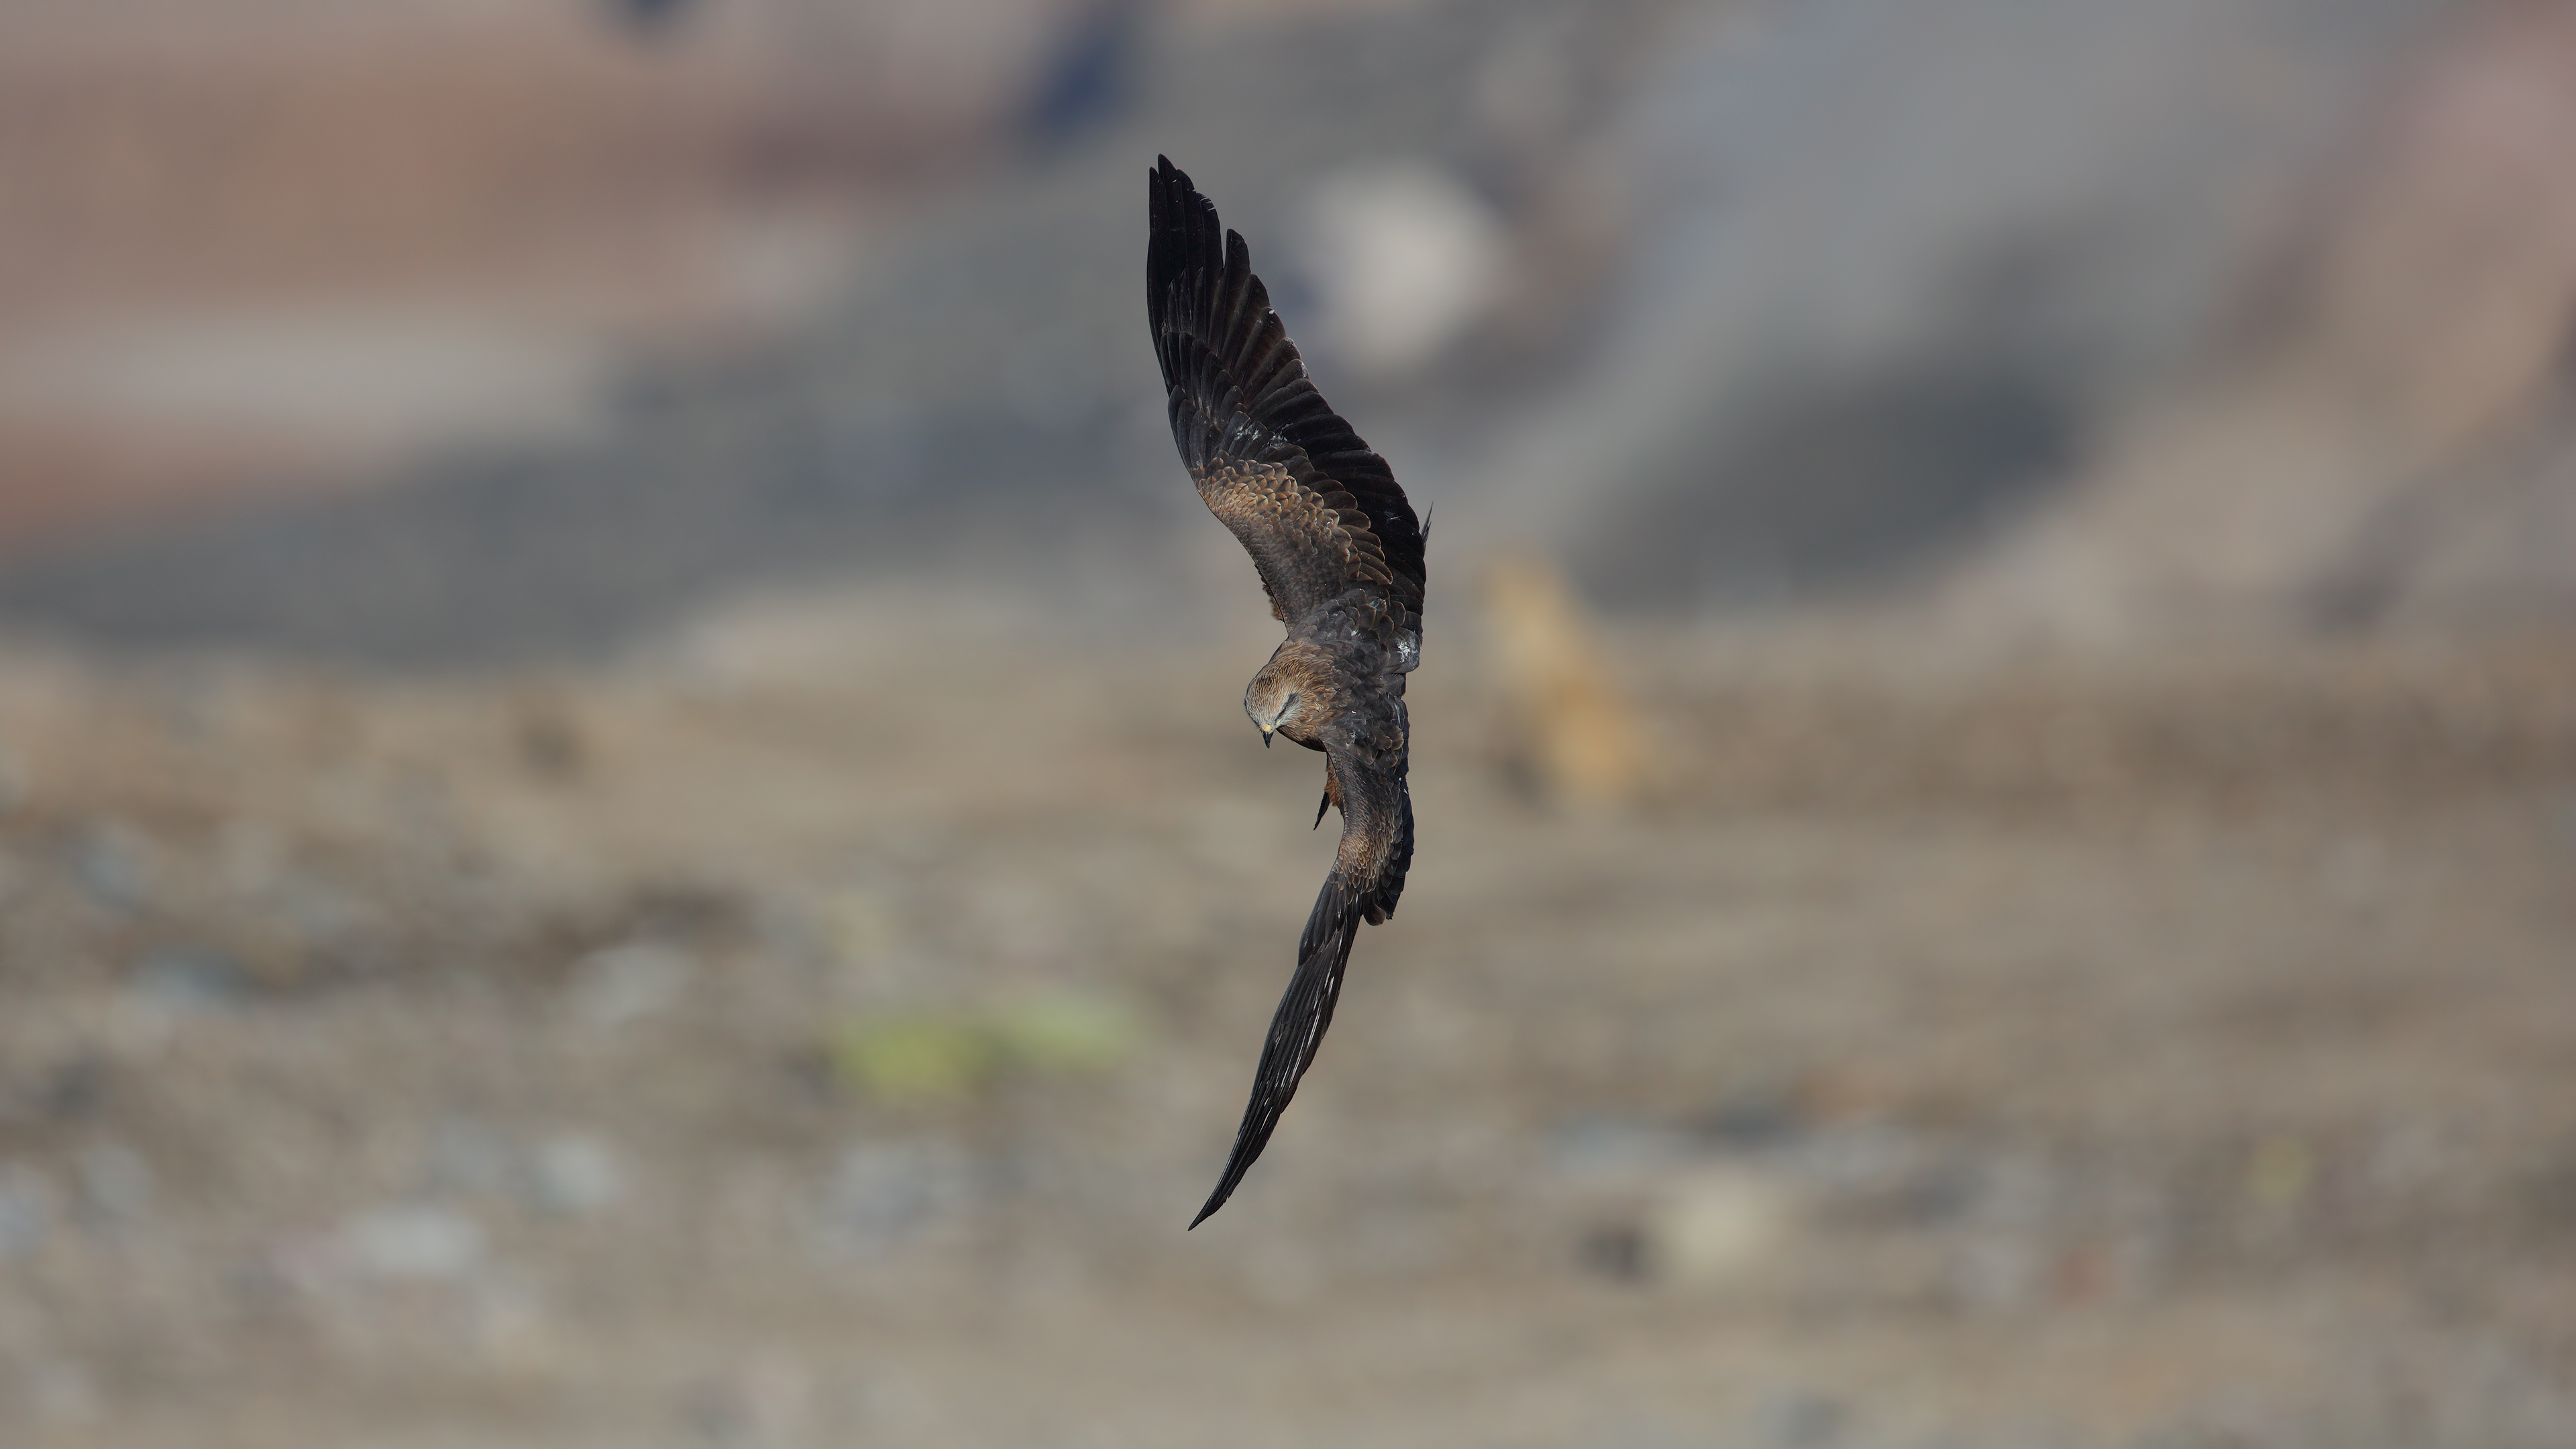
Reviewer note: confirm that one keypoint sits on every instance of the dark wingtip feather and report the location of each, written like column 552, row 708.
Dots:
column 1296, row 1030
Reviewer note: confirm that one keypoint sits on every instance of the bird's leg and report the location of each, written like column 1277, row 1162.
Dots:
column 1332, row 800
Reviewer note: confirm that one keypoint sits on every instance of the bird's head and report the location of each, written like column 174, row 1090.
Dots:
column 1284, row 696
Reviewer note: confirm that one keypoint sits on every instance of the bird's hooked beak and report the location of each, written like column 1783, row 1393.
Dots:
column 1266, row 733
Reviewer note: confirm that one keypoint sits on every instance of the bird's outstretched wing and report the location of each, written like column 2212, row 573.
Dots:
column 1319, row 513
column 1368, row 875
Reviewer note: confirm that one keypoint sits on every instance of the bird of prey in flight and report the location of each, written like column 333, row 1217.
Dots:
column 1340, row 554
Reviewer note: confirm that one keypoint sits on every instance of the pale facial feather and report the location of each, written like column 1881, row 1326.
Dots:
column 1290, row 695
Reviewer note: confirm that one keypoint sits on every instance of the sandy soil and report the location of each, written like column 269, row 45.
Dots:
column 2033, row 1055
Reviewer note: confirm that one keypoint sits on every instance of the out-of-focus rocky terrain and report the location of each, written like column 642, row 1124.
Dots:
column 622, row 819
column 821, row 1036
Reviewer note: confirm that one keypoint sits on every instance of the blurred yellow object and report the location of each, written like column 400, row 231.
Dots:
column 914, row 1057
column 1571, row 727
column 2280, row 1172
column 937, row 1055
column 1063, row 1032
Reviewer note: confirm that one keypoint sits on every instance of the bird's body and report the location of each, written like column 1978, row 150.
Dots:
column 1339, row 552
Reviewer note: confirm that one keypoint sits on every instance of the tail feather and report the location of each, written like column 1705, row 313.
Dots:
column 1297, row 1028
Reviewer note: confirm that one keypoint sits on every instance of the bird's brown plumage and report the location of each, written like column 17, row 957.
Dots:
column 1339, row 552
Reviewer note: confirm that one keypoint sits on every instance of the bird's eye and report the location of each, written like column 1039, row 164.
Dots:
column 1289, row 703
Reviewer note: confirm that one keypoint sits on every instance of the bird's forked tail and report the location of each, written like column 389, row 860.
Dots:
column 1297, row 1028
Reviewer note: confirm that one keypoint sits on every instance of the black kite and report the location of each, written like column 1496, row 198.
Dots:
column 1340, row 554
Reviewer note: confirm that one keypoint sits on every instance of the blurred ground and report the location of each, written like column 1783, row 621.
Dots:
column 622, row 817
column 2174, row 1057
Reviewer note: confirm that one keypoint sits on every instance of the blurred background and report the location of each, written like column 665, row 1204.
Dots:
column 623, row 821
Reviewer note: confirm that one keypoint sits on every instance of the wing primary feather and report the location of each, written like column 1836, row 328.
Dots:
column 1296, row 1029
column 1239, row 313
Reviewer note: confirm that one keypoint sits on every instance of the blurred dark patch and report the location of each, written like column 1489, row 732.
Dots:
column 527, row 557
column 650, row 17
column 72, row 1088
column 1614, row 1251
column 1837, row 484
column 2551, row 1194
column 1811, row 479
column 183, row 976
column 550, row 746
column 1089, row 78
column 1803, row 1420
column 1754, row 1114
column 551, row 741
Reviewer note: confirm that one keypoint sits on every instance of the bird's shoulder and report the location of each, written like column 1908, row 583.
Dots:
column 1369, row 631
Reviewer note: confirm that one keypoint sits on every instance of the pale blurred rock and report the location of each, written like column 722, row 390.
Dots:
column 766, row 1403
column 1998, row 1270
column 625, row 984
column 883, row 1195
column 511, row 1330
column 1406, row 259
column 116, row 1183
column 1610, row 1149
column 113, row 864
column 1800, row 1420
column 185, row 977
column 1717, row 1225
column 577, row 1175
column 28, row 1210
column 470, row 1157
column 413, row 1242
column 64, row 1394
